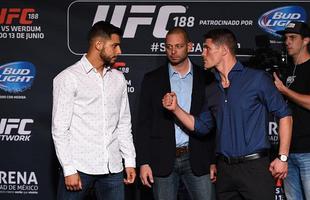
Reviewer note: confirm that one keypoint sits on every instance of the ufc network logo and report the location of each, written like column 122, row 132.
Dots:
column 8, row 125
column 132, row 24
column 7, row 15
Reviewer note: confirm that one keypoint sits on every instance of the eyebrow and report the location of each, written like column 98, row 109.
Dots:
column 175, row 44
column 290, row 36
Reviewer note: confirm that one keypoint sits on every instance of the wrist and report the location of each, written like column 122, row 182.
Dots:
column 176, row 110
column 144, row 165
column 285, row 90
column 282, row 157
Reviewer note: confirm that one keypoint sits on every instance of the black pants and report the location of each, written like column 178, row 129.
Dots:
column 250, row 180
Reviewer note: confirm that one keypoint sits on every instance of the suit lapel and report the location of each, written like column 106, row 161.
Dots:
column 197, row 87
column 165, row 81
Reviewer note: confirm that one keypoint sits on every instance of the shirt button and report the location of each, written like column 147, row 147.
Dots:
column 225, row 100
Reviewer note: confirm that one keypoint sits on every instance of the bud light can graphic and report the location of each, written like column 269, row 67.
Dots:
column 277, row 19
column 17, row 77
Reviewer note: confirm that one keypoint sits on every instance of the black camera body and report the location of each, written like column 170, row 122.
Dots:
column 269, row 59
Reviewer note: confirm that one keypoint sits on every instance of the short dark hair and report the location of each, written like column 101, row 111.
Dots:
column 181, row 30
column 223, row 36
column 103, row 29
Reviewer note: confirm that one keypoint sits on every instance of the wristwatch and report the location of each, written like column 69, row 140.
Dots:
column 283, row 157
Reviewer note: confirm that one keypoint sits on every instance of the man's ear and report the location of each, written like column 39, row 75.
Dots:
column 225, row 50
column 99, row 45
column 306, row 41
column 189, row 46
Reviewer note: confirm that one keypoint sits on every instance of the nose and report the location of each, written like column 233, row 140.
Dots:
column 203, row 52
column 286, row 42
column 173, row 50
column 118, row 50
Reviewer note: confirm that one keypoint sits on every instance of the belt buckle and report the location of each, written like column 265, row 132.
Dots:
column 255, row 156
column 232, row 160
column 180, row 151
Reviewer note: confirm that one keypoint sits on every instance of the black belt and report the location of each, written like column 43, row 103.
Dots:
column 181, row 150
column 241, row 159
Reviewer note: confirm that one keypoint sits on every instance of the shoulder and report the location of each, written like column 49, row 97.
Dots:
column 205, row 76
column 68, row 73
column 198, row 70
column 257, row 73
column 305, row 66
column 197, row 67
column 260, row 80
column 118, row 75
column 156, row 73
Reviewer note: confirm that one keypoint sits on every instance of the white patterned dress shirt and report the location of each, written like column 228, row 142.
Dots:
column 91, row 122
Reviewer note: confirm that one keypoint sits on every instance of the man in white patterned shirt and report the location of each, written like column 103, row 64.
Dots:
column 91, row 122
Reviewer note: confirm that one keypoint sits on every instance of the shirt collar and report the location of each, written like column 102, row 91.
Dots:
column 88, row 67
column 173, row 72
column 236, row 68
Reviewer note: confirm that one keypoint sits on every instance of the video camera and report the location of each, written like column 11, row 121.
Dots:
column 268, row 59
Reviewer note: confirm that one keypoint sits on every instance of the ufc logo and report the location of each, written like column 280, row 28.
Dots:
column 8, row 125
column 132, row 24
column 7, row 15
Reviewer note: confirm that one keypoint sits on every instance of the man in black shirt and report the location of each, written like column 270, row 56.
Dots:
column 297, row 91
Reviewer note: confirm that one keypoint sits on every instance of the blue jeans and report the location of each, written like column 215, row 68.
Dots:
column 198, row 187
column 107, row 187
column 297, row 182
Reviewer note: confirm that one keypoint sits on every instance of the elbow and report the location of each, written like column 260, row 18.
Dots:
column 290, row 119
column 203, row 130
column 287, row 121
column 308, row 106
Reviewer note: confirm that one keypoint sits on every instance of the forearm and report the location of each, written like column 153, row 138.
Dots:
column 125, row 138
column 300, row 99
column 61, row 122
column 127, row 148
column 285, row 133
column 63, row 152
column 185, row 118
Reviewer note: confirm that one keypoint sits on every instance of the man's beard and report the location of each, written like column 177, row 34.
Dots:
column 107, row 61
column 174, row 63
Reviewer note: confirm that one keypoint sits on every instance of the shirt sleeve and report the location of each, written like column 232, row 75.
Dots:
column 124, row 131
column 63, row 96
column 273, row 99
column 204, row 122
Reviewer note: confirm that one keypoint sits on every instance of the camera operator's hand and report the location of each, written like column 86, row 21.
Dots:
column 278, row 83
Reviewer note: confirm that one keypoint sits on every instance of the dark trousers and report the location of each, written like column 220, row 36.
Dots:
column 107, row 187
column 250, row 180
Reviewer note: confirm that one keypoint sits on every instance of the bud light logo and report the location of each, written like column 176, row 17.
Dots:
column 277, row 19
column 16, row 77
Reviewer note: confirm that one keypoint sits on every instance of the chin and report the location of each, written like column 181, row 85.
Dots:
column 174, row 63
column 208, row 67
column 112, row 62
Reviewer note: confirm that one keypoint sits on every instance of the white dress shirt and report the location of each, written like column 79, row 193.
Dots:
column 91, row 122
